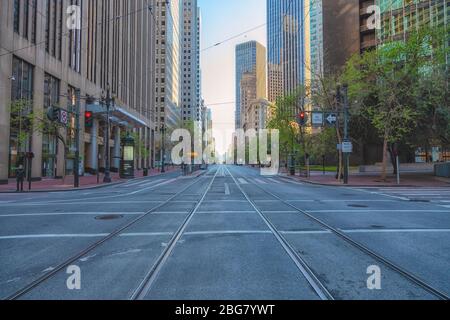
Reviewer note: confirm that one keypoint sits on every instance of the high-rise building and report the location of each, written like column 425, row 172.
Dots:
column 45, row 62
column 286, row 46
column 334, row 30
column 168, row 40
column 190, row 76
column 250, row 58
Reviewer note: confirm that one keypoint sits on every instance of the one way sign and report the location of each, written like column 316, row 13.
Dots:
column 331, row 119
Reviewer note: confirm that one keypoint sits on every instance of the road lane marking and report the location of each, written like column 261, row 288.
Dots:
column 260, row 181
column 227, row 189
column 375, row 210
column 224, row 212
column 69, row 214
column 274, row 181
column 227, row 232
column 397, row 231
column 242, row 181
column 157, row 185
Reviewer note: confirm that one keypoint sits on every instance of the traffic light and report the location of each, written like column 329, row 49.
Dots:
column 53, row 114
column 88, row 119
column 302, row 118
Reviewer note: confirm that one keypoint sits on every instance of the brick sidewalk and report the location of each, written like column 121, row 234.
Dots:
column 86, row 182
column 406, row 179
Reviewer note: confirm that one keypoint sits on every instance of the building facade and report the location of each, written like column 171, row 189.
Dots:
column 400, row 17
column 190, row 62
column 286, row 46
column 257, row 114
column 44, row 63
column 167, row 61
column 250, row 58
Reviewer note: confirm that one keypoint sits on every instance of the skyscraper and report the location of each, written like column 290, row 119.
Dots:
column 167, row 15
column 250, row 58
column 190, row 62
column 285, row 38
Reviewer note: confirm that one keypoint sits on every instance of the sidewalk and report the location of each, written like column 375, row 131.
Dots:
column 86, row 182
column 373, row 180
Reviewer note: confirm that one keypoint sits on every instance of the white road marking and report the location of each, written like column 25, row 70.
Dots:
column 375, row 210
column 242, row 181
column 68, row 214
column 227, row 189
column 260, row 181
column 224, row 212
column 397, row 231
column 219, row 232
column 157, row 185
column 227, row 232
column 274, row 181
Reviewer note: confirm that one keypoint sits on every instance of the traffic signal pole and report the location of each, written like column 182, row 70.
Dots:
column 77, row 140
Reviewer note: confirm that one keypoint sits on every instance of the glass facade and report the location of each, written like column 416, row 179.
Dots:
column 285, row 38
column 398, row 17
column 21, row 97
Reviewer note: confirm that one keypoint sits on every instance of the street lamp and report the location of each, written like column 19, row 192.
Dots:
column 107, row 178
column 163, row 151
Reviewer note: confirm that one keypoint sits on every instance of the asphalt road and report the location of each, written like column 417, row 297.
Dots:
column 227, row 234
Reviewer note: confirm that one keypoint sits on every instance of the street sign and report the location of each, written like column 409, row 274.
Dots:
column 331, row 119
column 317, row 119
column 347, row 147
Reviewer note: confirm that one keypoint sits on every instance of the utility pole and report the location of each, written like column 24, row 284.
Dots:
column 163, row 148
column 77, row 140
column 107, row 178
column 346, row 138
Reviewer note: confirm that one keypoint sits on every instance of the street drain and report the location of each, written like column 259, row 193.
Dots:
column 109, row 217
column 357, row 206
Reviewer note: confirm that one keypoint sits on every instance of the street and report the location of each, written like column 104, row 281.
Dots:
column 227, row 234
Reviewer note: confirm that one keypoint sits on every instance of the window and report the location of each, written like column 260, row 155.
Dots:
column 16, row 16
column 22, row 89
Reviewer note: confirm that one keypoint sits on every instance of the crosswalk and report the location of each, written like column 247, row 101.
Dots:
column 264, row 181
column 439, row 195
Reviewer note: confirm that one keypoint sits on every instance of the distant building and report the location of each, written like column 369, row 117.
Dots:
column 257, row 114
column 250, row 58
column 167, row 69
column 286, row 46
column 190, row 78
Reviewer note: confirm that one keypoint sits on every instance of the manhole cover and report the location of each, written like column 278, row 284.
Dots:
column 357, row 206
column 420, row 200
column 109, row 217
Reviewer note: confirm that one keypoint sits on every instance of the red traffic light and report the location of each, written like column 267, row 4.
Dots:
column 88, row 115
column 302, row 115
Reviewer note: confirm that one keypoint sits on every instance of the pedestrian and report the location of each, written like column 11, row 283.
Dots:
column 20, row 177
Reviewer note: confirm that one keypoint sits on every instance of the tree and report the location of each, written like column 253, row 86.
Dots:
column 385, row 85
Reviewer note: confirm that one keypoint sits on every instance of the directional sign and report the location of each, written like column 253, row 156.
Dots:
column 317, row 119
column 331, row 119
column 347, row 147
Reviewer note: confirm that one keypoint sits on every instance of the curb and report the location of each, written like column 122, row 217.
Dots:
column 348, row 186
column 66, row 190
column 77, row 189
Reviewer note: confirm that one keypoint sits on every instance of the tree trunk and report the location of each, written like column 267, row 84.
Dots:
column 341, row 157
column 385, row 157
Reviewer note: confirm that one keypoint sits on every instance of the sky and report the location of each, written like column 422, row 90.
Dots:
column 223, row 19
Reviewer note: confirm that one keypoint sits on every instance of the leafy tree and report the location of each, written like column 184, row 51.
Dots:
column 385, row 85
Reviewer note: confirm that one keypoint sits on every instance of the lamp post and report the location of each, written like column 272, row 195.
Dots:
column 107, row 178
column 163, row 148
